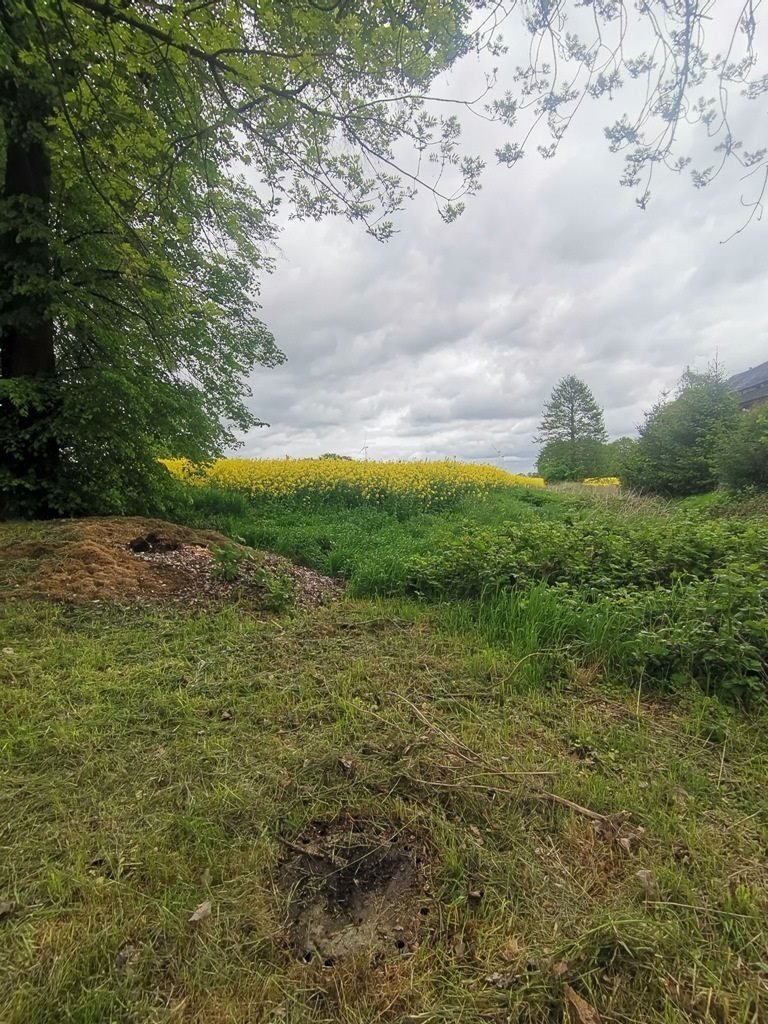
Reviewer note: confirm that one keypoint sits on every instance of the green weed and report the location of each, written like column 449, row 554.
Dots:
column 659, row 593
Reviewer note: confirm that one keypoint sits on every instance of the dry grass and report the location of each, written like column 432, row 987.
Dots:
column 86, row 561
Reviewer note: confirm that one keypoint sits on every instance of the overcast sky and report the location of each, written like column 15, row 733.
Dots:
column 447, row 340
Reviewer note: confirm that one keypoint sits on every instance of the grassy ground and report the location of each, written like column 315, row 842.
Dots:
column 367, row 545
column 153, row 760
column 660, row 595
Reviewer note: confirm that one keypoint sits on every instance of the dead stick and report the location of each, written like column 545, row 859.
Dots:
column 469, row 755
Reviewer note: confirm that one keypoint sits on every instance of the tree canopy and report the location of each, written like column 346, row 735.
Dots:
column 147, row 147
column 742, row 456
column 572, row 414
column 677, row 453
column 132, row 232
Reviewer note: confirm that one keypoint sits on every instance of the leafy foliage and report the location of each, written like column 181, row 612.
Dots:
column 617, row 453
column 233, row 562
column 132, row 249
column 572, row 460
column 675, row 53
column 676, row 453
column 669, row 598
column 659, row 594
column 599, row 552
column 227, row 562
column 146, row 150
column 742, row 457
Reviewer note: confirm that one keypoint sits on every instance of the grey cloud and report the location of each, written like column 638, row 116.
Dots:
column 447, row 341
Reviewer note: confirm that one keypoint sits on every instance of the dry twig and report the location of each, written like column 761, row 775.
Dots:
column 466, row 754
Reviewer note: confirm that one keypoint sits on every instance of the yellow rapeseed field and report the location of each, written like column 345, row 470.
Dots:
column 429, row 484
column 602, row 481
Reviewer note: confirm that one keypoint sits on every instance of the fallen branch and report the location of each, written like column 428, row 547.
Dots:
column 466, row 754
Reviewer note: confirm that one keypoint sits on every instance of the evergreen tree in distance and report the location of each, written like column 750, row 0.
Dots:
column 572, row 431
column 572, row 414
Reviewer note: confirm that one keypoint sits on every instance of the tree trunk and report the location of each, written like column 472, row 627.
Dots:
column 29, row 452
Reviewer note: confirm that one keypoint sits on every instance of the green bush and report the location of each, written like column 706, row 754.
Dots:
column 597, row 553
column 677, row 451
column 618, row 453
column 742, row 458
column 227, row 562
column 661, row 599
column 564, row 460
column 656, row 593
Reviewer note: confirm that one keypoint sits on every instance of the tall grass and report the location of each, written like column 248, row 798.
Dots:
column 548, row 634
column 646, row 590
column 371, row 547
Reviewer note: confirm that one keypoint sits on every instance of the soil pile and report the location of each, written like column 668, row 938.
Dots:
column 133, row 560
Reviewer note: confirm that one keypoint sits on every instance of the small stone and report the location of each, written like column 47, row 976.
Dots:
column 202, row 912
column 649, row 884
column 126, row 957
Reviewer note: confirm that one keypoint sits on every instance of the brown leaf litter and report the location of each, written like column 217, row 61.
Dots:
column 579, row 1010
column 137, row 560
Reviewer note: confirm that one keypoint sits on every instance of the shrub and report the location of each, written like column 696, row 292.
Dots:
column 742, row 459
column 665, row 599
column 677, row 451
column 227, row 562
column 599, row 553
column 571, row 460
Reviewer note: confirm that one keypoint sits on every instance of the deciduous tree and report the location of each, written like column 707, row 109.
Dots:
column 146, row 147
column 742, row 456
column 146, row 150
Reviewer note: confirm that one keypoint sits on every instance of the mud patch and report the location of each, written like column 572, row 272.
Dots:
column 357, row 887
column 152, row 542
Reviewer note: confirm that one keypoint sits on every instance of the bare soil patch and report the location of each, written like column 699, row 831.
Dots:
column 357, row 887
column 134, row 560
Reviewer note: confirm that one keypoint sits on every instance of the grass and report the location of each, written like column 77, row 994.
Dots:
column 153, row 759
column 368, row 546
column 662, row 594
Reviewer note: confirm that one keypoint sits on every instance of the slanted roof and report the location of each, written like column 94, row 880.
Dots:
column 751, row 378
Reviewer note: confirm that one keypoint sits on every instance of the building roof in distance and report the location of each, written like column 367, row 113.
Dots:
column 751, row 378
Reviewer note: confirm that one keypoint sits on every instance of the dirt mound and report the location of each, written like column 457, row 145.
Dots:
column 113, row 530
column 133, row 560
column 87, row 571
column 356, row 887
column 28, row 550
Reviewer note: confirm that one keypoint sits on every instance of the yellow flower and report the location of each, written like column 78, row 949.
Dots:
column 429, row 484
